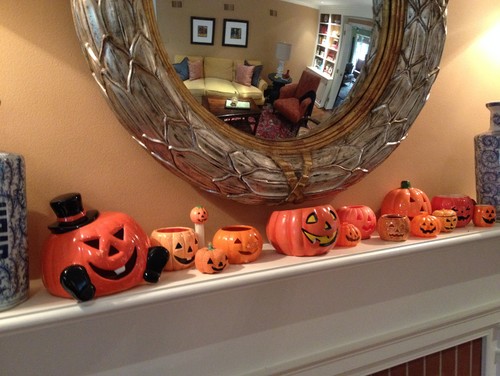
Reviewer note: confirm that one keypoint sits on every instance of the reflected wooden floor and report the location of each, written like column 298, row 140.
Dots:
column 318, row 114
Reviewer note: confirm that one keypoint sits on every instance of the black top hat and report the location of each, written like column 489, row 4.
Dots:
column 70, row 213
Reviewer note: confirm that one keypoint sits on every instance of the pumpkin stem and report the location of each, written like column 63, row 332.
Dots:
column 405, row 184
column 210, row 246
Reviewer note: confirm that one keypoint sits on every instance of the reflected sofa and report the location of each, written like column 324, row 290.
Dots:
column 221, row 77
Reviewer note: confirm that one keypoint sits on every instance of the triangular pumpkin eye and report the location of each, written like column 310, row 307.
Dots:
column 210, row 262
column 312, row 218
column 178, row 246
column 120, row 234
column 327, row 226
column 94, row 243
column 237, row 241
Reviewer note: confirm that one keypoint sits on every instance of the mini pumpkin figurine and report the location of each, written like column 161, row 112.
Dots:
column 484, row 215
column 361, row 216
column 349, row 235
column 462, row 205
column 90, row 254
column 425, row 225
column 199, row 216
column 242, row 243
column 180, row 242
column 211, row 260
column 406, row 200
column 310, row 231
column 393, row 227
column 448, row 219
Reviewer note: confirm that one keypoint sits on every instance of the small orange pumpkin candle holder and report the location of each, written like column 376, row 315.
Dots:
column 242, row 243
column 484, row 215
column 361, row 216
column 349, row 235
column 182, row 244
column 393, row 227
column 448, row 219
column 463, row 205
column 210, row 260
column 310, row 231
column 425, row 225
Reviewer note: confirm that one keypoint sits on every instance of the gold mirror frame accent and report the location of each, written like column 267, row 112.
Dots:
column 123, row 48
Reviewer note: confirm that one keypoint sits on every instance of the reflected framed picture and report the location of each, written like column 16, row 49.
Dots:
column 235, row 33
column 202, row 30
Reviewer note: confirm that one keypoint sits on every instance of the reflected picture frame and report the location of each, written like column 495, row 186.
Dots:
column 202, row 30
column 235, row 33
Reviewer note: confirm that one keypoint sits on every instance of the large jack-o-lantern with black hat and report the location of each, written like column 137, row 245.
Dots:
column 90, row 254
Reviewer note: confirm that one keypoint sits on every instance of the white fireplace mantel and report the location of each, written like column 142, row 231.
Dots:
column 350, row 312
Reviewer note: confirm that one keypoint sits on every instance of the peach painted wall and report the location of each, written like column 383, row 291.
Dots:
column 52, row 112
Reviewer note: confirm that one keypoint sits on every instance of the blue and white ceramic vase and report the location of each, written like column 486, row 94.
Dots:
column 487, row 156
column 14, row 273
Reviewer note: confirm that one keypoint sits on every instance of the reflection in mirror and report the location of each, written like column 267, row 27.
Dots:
column 239, row 83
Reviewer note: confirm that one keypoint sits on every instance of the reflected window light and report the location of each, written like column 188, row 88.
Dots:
column 490, row 44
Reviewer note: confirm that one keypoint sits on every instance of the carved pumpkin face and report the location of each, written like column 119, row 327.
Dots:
column 461, row 204
column 198, row 215
column 113, row 250
column 406, row 201
column 448, row 219
column 211, row 260
column 349, row 235
column 425, row 225
column 361, row 216
column 484, row 215
column 182, row 244
column 393, row 227
column 308, row 231
column 243, row 244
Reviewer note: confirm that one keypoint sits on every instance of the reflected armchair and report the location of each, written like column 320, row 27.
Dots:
column 296, row 100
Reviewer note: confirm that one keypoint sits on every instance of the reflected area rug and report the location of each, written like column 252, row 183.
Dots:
column 272, row 126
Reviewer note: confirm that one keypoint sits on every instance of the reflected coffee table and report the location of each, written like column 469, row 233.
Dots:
column 245, row 118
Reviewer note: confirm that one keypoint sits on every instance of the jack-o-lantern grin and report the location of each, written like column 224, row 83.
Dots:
column 118, row 273
column 352, row 238
column 248, row 252
column 185, row 260
column 217, row 268
column 489, row 221
column 323, row 240
column 428, row 230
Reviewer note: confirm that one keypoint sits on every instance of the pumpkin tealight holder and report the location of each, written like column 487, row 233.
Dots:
column 182, row 244
column 210, row 260
column 90, row 254
column 242, row 243
column 425, row 225
column 463, row 205
column 393, row 227
column 484, row 215
column 448, row 219
column 310, row 231
column 349, row 235
column 406, row 200
column 361, row 216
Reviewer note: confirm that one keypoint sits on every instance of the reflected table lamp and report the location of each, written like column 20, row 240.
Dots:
column 283, row 51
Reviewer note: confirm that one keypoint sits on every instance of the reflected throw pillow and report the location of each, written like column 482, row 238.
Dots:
column 244, row 74
column 195, row 69
column 182, row 69
column 256, row 73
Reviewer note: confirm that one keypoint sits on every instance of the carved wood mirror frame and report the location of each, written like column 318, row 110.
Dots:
column 127, row 59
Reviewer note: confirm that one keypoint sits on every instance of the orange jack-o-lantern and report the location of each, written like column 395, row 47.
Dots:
column 361, row 216
column 308, row 231
column 211, row 260
column 425, row 225
column 349, row 235
column 406, row 201
column 448, row 219
column 198, row 215
column 242, row 243
column 484, row 215
column 393, row 227
column 90, row 254
column 182, row 244
column 462, row 205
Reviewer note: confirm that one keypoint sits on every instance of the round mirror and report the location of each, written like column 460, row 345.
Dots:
column 126, row 56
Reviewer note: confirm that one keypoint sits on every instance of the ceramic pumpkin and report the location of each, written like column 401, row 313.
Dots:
column 90, row 254
column 182, row 244
column 406, row 200
column 198, row 215
column 393, row 227
column 484, row 215
column 448, row 219
column 349, row 235
column 361, row 216
column 242, row 243
column 425, row 225
column 463, row 205
column 211, row 260
column 307, row 231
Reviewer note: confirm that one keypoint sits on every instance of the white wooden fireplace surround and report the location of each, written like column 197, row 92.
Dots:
column 351, row 312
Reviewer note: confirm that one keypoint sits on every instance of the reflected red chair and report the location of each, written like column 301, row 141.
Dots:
column 296, row 100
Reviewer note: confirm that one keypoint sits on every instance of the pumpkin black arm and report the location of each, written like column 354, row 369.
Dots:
column 76, row 281
column 156, row 261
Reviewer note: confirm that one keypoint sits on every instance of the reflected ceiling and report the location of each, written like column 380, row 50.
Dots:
column 325, row 3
